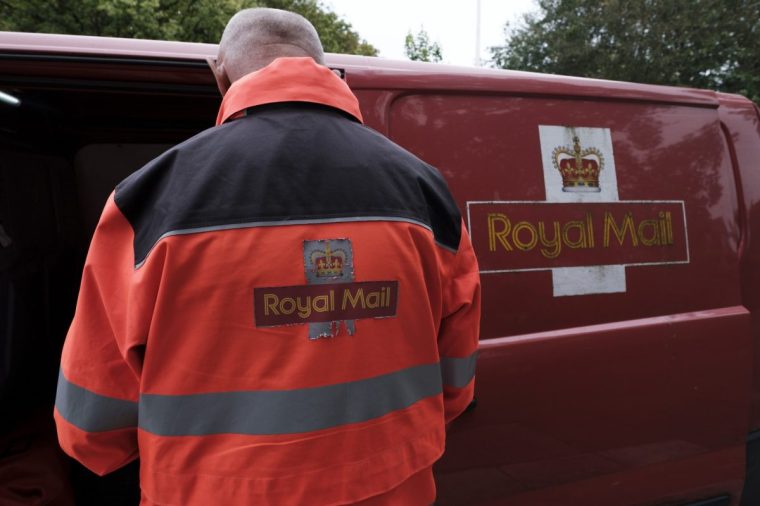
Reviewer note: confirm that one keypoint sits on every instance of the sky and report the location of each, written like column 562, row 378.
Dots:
column 451, row 23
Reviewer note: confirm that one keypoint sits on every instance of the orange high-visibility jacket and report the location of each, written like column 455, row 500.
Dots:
column 282, row 310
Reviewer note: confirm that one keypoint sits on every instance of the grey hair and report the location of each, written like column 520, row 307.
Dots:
column 253, row 38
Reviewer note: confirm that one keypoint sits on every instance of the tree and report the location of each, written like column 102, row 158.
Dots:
column 698, row 43
column 420, row 48
column 337, row 35
column 186, row 20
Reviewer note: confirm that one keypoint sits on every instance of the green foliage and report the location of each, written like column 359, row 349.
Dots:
column 336, row 34
column 186, row 20
column 699, row 43
column 420, row 48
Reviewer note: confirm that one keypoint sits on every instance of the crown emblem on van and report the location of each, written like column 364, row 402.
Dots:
column 328, row 263
column 580, row 168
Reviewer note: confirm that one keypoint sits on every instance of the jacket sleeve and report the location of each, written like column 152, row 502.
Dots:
column 98, row 382
column 460, row 328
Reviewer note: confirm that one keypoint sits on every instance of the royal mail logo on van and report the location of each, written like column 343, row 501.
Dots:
column 541, row 235
column 582, row 232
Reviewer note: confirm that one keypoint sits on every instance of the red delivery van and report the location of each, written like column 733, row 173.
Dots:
column 617, row 228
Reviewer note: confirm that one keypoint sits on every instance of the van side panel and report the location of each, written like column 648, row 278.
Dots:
column 659, row 422
column 489, row 149
column 626, row 397
column 740, row 120
column 740, row 117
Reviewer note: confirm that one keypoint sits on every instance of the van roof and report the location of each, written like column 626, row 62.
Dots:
column 367, row 72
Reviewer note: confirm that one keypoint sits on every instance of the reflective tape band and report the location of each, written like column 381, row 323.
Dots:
column 92, row 412
column 267, row 412
column 288, row 411
column 458, row 372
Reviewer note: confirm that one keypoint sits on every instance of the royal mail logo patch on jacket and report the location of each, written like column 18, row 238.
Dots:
column 331, row 299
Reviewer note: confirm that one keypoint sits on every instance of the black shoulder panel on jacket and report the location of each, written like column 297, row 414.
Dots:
column 284, row 162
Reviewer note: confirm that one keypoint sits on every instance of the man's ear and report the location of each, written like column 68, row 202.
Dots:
column 220, row 75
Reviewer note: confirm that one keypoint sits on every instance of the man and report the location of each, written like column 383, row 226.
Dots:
column 281, row 310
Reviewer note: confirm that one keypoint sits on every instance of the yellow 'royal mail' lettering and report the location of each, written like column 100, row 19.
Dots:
column 373, row 300
column 627, row 226
column 533, row 235
column 526, row 236
column 519, row 241
column 366, row 300
column 287, row 305
column 551, row 248
column 494, row 220
column 302, row 304
column 356, row 300
column 270, row 304
column 573, row 234
column 324, row 303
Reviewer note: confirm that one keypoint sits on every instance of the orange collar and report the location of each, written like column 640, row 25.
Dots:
column 288, row 80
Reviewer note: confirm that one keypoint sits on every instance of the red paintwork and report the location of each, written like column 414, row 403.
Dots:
column 741, row 121
column 642, row 397
column 612, row 413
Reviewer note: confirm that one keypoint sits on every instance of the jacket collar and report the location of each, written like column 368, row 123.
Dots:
column 288, row 80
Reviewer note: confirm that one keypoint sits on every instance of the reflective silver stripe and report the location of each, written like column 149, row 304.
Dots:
column 284, row 223
column 287, row 411
column 92, row 412
column 458, row 372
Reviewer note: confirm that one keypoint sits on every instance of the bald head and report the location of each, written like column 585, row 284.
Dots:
column 254, row 38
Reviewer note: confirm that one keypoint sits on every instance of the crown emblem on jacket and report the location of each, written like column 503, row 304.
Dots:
column 328, row 263
column 580, row 168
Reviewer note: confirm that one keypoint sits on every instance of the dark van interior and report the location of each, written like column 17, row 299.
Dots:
column 81, row 125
